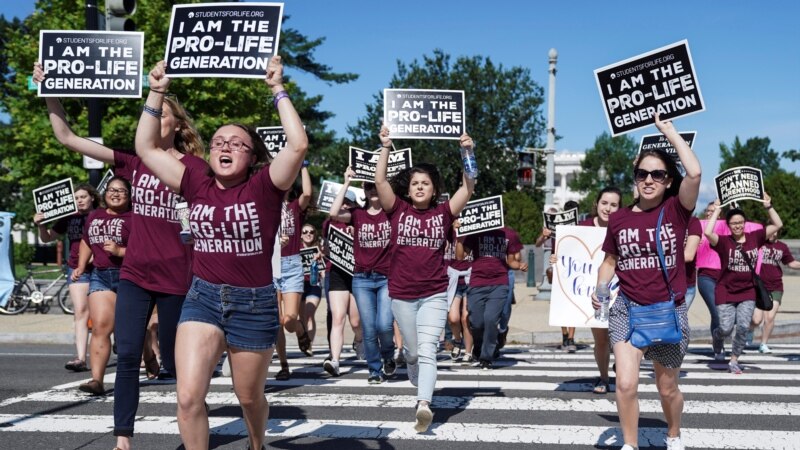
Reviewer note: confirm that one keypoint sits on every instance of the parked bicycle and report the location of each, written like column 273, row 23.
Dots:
column 39, row 294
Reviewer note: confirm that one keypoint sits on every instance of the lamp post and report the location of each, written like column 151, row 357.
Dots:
column 549, row 152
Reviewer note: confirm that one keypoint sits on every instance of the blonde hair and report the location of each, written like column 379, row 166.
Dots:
column 187, row 139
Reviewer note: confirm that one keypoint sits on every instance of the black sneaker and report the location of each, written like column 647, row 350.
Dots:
column 376, row 379
column 486, row 365
column 389, row 367
column 501, row 339
column 571, row 347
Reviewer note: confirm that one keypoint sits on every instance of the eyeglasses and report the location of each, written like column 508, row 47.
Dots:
column 735, row 224
column 308, row 231
column 658, row 175
column 117, row 191
column 236, row 144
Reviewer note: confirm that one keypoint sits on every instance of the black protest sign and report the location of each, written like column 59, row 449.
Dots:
column 662, row 81
column 307, row 256
column 274, row 138
column 56, row 200
column 660, row 142
column 340, row 249
column 91, row 63
column 739, row 183
column 364, row 163
column 230, row 40
column 101, row 187
column 424, row 114
column 481, row 215
column 551, row 220
column 328, row 192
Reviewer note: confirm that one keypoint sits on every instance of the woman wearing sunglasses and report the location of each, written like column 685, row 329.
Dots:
column 630, row 248
column 312, row 292
column 735, row 294
column 234, row 215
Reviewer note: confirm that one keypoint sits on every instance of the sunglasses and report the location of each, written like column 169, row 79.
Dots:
column 308, row 232
column 658, row 175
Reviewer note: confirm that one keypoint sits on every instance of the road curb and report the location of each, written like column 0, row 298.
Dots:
column 37, row 338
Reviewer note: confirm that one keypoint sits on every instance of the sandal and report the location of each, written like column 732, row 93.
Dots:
column 283, row 374
column 151, row 368
column 601, row 387
column 93, row 387
column 76, row 365
column 304, row 342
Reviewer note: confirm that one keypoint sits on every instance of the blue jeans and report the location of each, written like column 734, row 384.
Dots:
column 706, row 286
column 134, row 305
column 691, row 291
column 371, row 291
column 485, row 305
column 506, row 315
column 421, row 322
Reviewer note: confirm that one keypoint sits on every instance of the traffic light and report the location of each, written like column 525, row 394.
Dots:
column 116, row 15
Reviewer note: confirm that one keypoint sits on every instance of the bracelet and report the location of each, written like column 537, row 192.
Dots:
column 157, row 91
column 278, row 97
column 387, row 146
column 152, row 111
column 768, row 207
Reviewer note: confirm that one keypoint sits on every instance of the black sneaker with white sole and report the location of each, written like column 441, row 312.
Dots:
column 389, row 367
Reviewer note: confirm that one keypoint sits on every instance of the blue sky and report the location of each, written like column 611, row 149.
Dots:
column 745, row 55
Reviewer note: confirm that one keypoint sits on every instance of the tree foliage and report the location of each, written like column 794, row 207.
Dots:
column 608, row 163
column 29, row 154
column 523, row 213
column 503, row 114
column 755, row 152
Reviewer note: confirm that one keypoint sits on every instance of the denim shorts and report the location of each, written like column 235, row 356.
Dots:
column 291, row 279
column 461, row 290
column 247, row 316
column 104, row 280
column 84, row 278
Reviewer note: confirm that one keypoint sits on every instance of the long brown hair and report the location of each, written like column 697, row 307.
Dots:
column 187, row 139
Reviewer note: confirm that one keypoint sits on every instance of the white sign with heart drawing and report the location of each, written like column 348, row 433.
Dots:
column 578, row 257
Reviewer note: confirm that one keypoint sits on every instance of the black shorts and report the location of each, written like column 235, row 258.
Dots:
column 311, row 291
column 339, row 280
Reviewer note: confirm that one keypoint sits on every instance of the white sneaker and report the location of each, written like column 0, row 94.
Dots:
column 424, row 418
column 628, row 447
column 764, row 348
column 332, row 367
column 674, row 443
column 413, row 372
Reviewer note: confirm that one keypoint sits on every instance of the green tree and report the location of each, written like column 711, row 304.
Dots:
column 608, row 163
column 755, row 152
column 792, row 155
column 31, row 156
column 503, row 114
column 781, row 187
column 523, row 213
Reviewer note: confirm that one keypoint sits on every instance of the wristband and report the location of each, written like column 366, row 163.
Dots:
column 305, row 163
column 278, row 97
column 157, row 91
column 387, row 146
column 768, row 207
column 153, row 111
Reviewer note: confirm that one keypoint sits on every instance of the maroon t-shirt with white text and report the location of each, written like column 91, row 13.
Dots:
column 292, row 218
column 775, row 253
column 233, row 229
column 373, row 235
column 695, row 229
column 490, row 250
column 158, row 261
column 72, row 226
column 101, row 227
column 631, row 236
column 736, row 283
column 418, row 241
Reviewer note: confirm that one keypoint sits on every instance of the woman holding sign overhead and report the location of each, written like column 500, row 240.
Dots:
column 650, row 268
column 418, row 278
column 235, row 214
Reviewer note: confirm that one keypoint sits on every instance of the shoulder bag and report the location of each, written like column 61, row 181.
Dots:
column 763, row 297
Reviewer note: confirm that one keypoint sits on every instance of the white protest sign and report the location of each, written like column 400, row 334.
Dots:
column 55, row 200
column 578, row 257
column 740, row 183
column 230, row 40
column 424, row 113
column 364, row 163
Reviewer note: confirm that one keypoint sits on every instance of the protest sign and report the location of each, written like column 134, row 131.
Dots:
column 553, row 219
column 364, row 163
column 481, row 215
column 661, row 81
column 660, row 142
column 91, row 63
column 328, row 192
column 578, row 257
column 101, row 187
column 739, row 183
column 424, row 113
column 274, row 138
column 231, row 40
column 340, row 248
column 56, row 200
column 307, row 256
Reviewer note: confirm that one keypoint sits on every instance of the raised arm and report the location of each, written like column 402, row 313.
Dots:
column 690, row 187
column 336, row 208
column 283, row 169
column 148, row 134
column 463, row 194
column 775, row 220
column 45, row 234
column 385, row 192
column 305, row 178
column 62, row 130
column 713, row 237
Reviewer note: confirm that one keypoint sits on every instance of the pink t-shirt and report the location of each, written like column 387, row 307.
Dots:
column 101, row 227
column 233, row 229
column 373, row 234
column 490, row 250
column 291, row 221
column 631, row 236
column 735, row 283
column 775, row 253
column 418, row 241
column 72, row 226
column 159, row 260
column 694, row 230
column 706, row 259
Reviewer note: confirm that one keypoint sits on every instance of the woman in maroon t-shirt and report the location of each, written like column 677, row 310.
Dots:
column 630, row 249
column 418, row 278
column 234, row 216
column 86, row 199
column 105, row 238
column 735, row 293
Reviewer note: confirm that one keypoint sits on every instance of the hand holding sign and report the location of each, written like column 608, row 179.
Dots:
column 386, row 141
column 158, row 79
column 274, row 77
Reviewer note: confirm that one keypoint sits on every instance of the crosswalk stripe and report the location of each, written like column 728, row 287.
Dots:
column 391, row 430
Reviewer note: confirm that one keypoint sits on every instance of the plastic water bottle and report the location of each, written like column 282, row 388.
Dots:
column 604, row 297
column 314, row 277
column 182, row 211
column 470, row 163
